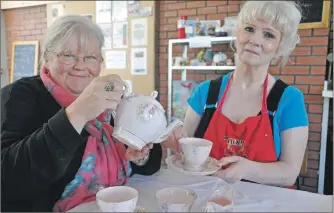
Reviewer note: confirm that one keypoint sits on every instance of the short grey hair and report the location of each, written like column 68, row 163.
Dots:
column 65, row 27
column 285, row 16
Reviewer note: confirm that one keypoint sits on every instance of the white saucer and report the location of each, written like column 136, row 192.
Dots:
column 175, row 163
column 138, row 209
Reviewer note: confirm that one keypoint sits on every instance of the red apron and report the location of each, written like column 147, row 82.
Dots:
column 251, row 139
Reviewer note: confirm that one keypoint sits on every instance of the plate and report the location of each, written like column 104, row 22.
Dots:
column 138, row 209
column 175, row 162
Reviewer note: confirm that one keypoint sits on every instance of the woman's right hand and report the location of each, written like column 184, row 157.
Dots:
column 172, row 142
column 94, row 100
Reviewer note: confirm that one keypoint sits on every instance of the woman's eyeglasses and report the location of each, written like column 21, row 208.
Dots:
column 70, row 59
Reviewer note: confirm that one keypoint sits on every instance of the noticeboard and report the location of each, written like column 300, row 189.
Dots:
column 24, row 59
column 316, row 14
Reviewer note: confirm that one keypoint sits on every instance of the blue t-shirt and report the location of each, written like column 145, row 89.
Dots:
column 290, row 113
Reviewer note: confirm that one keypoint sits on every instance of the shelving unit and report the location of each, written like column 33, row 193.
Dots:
column 171, row 68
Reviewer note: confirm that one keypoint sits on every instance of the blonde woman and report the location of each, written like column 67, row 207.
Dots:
column 257, row 123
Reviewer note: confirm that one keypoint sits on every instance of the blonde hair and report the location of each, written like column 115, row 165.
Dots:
column 285, row 16
column 63, row 28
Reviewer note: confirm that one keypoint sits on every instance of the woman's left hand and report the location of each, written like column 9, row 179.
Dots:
column 135, row 155
column 233, row 168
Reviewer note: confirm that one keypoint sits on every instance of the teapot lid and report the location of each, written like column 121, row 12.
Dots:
column 154, row 95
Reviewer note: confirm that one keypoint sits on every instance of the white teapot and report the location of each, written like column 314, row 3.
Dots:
column 140, row 120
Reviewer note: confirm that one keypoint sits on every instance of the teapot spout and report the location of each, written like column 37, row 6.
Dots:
column 169, row 130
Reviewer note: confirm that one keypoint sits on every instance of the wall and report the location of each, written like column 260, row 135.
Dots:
column 17, row 4
column 30, row 23
column 24, row 24
column 307, row 70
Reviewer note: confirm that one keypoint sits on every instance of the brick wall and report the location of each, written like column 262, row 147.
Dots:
column 24, row 24
column 307, row 72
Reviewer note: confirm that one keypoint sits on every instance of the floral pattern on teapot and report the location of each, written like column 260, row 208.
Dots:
column 146, row 111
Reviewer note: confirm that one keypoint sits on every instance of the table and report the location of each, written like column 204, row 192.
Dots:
column 257, row 197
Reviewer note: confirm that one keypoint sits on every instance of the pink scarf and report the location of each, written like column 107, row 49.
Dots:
column 103, row 163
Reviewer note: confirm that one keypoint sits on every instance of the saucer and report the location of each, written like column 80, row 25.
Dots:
column 138, row 209
column 175, row 163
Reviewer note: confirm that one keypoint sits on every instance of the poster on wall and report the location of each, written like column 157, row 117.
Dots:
column 115, row 59
column 138, row 61
column 133, row 7
column 119, row 11
column 103, row 11
column 120, row 35
column 139, row 32
column 57, row 10
column 107, row 32
column 182, row 90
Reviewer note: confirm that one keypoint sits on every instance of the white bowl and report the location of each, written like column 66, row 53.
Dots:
column 175, row 199
column 117, row 199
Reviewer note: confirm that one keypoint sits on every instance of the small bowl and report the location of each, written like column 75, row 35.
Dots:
column 117, row 199
column 221, row 200
column 175, row 199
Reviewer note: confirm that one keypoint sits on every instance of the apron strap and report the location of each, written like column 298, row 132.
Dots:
column 264, row 96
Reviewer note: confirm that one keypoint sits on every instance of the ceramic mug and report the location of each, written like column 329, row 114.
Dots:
column 117, row 199
column 195, row 152
column 175, row 199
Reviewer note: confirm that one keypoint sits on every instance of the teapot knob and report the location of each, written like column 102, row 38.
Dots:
column 154, row 94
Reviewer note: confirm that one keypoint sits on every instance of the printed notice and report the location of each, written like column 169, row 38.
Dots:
column 120, row 34
column 107, row 32
column 119, row 11
column 138, row 61
column 139, row 32
column 115, row 59
column 103, row 12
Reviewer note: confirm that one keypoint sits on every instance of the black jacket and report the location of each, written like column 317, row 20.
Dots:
column 40, row 150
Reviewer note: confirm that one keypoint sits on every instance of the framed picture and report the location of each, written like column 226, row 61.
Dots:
column 316, row 14
column 24, row 61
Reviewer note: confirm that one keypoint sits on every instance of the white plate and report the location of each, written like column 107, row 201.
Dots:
column 175, row 163
column 138, row 209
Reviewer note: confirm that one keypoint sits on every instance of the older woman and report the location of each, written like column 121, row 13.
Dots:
column 257, row 123
column 56, row 144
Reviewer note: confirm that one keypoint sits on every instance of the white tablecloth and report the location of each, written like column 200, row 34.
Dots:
column 255, row 197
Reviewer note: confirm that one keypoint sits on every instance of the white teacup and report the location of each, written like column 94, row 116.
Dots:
column 117, row 199
column 195, row 152
column 175, row 199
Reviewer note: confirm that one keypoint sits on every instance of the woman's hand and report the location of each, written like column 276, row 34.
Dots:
column 95, row 99
column 233, row 168
column 172, row 142
column 135, row 155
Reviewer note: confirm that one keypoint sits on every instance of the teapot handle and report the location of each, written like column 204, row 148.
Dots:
column 126, row 87
column 169, row 130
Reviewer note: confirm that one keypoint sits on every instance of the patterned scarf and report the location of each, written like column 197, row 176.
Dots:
column 103, row 163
